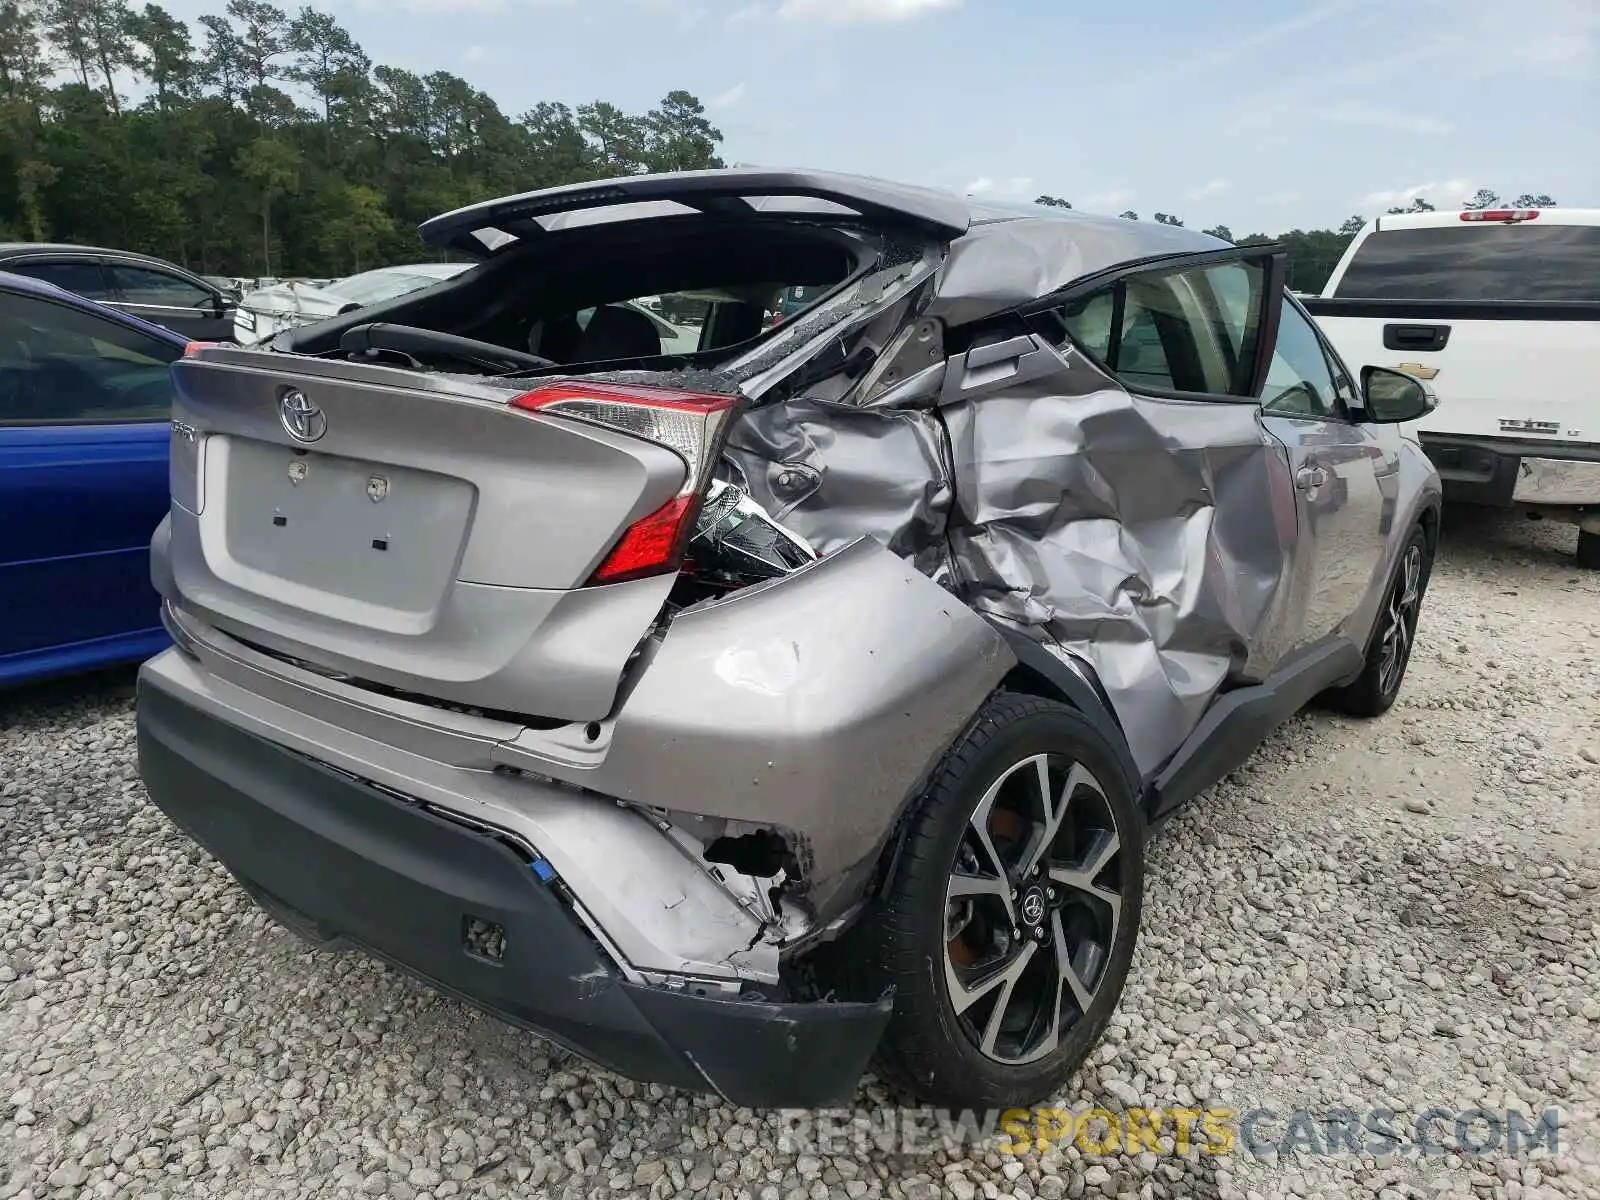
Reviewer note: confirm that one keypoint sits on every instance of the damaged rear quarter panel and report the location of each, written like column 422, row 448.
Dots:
column 816, row 703
column 1154, row 539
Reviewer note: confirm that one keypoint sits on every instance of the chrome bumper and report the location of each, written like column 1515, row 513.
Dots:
column 1557, row 481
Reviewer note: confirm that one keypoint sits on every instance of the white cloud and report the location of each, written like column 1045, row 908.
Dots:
column 1115, row 198
column 859, row 12
column 1237, row 48
column 1205, row 191
column 1016, row 185
column 435, row 6
column 749, row 12
column 1402, row 122
column 1446, row 193
column 730, row 97
column 475, row 54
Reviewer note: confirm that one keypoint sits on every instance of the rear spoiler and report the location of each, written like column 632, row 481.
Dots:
column 480, row 229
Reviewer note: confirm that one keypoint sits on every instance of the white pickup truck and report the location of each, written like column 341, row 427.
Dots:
column 1499, row 311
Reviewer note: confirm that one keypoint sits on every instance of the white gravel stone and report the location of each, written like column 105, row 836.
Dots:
column 1401, row 912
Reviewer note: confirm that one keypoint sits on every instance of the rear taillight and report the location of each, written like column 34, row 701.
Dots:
column 687, row 423
column 194, row 348
column 1500, row 214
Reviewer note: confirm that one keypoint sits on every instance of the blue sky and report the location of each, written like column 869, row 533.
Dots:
column 1260, row 115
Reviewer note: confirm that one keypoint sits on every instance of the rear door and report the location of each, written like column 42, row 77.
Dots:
column 1502, row 317
column 85, row 409
column 171, row 300
column 1196, row 331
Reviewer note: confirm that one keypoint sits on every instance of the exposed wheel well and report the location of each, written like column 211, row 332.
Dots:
column 1430, row 527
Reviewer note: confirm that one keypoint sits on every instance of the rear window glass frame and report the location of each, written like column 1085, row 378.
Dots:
column 1477, row 261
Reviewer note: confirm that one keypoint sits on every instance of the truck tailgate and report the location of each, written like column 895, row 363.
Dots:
column 1498, row 374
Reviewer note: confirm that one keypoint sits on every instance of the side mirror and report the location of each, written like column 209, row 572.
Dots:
column 1392, row 397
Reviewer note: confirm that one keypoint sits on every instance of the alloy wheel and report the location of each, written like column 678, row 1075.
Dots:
column 1032, row 908
column 1400, row 621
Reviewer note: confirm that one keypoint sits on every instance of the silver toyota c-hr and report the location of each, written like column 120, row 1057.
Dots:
column 752, row 705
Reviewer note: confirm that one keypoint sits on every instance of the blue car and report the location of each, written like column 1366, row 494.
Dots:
column 85, row 424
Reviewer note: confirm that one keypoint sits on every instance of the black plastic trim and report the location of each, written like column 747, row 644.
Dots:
column 1457, row 310
column 1072, row 688
column 1240, row 720
column 345, row 863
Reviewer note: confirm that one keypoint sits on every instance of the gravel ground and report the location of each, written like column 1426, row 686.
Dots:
column 1401, row 914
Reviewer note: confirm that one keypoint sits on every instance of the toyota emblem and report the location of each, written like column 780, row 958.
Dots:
column 302, row 419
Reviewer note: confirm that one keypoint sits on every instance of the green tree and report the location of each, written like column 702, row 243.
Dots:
column 326, row 58
column 678, row 137
column 24, row 66
column 1417, row 205
column 1130, row 215
column 1533, row 200
column 256, row 140
column 273, row 167
column 615, row 139
column 1482, row 198
column 1167, row 219
column 354, row 223
column 1353, row 225
column 1220, row 231
column 1050, row 201
column 163, row 54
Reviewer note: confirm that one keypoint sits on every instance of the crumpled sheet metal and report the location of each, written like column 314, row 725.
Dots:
column 1146, row 537
column 1005, row 263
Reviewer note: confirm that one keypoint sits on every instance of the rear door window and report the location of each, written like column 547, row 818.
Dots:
column 82, row 276
column 142, row 285
column 60, row 365
column 1477, row 262
column 1190, row 331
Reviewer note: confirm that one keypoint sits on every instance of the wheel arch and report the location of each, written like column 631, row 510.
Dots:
column 1036, row 672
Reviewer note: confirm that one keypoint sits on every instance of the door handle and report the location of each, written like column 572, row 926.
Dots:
column 1308, row 478
column 1415, row 337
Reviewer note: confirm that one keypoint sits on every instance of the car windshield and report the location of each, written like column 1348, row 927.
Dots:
column 383, row 284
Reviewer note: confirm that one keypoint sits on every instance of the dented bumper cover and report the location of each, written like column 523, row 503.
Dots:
column 346, row 863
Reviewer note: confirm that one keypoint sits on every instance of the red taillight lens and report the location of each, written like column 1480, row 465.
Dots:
column 1500, row 214
column 568, row 393
column 194, row 348
column 687, row 423
column 652, row 545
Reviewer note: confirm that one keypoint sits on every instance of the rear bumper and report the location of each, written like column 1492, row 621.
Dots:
column 346, row 863
column 1505, row 473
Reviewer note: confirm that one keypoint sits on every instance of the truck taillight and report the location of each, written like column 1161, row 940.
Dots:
column 1501, row 214
column 687, row 423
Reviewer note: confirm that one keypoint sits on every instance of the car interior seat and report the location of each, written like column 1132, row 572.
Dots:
column 616, row 332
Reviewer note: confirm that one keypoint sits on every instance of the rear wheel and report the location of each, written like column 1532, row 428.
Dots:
column 1374, row 691
column 1012, row 914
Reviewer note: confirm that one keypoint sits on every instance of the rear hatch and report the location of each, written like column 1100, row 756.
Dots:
column 1501, row 314
column 497, row 542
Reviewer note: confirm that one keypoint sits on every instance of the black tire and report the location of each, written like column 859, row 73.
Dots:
column 1375, row 690
column 1588, row 550
column 928, row 1048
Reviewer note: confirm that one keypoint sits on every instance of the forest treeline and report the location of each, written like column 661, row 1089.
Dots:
column 265, row 141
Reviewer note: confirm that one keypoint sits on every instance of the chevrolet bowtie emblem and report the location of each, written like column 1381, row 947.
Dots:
column 1417, row 369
